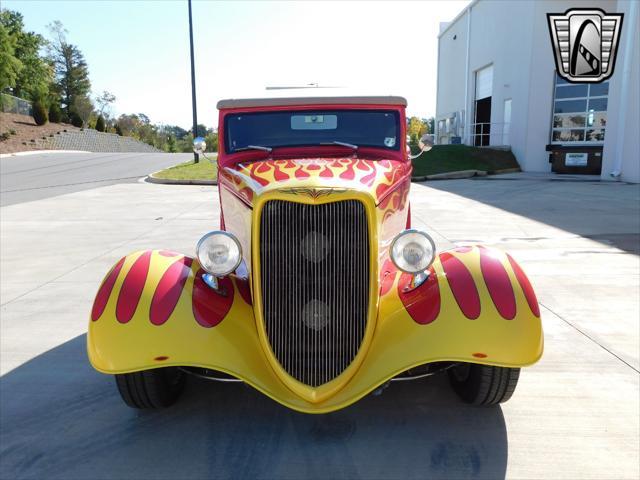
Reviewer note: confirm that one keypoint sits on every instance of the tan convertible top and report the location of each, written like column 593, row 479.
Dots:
column 277, row 102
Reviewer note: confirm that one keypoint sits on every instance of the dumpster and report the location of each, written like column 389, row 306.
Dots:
column 580, row 159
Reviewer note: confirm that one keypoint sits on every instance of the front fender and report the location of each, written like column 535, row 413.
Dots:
column 154, row 310
column 476, row 306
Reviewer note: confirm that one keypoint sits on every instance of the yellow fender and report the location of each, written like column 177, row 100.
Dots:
column 153, row 310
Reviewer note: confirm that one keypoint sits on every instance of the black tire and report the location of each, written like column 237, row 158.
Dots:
column 157, row 388
column 483, row 384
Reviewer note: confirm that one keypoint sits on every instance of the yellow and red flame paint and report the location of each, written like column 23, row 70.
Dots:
column 125, row 290
column 378, row 177
column 153, row 309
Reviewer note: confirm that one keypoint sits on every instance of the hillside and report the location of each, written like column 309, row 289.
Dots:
column 19, row 133
column 452, row 158
column 26, row 130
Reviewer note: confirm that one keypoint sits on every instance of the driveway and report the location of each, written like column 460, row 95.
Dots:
column 25, row 178
column 575, row 414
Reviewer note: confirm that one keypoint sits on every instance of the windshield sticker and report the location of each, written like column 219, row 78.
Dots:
column 389, row 141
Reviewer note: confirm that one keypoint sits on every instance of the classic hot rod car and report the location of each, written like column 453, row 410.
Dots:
column 315, row 290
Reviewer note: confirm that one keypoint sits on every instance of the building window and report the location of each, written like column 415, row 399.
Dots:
column 579, row 112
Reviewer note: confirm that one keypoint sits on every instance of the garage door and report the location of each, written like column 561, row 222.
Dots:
column 484, row 82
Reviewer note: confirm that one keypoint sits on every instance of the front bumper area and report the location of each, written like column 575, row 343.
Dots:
column 153, row 310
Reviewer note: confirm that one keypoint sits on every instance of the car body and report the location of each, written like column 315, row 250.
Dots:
column 316, row 315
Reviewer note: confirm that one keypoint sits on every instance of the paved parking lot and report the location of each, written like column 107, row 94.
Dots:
column 574, row 415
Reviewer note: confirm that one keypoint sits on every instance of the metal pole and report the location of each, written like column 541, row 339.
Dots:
column 193, row 84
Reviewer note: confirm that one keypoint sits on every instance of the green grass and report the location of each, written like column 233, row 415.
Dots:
column 453, row 158
column 203, row 170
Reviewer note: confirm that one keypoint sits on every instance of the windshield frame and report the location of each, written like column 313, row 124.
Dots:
column 318, row 110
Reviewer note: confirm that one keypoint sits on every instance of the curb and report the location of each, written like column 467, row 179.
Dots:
column 451, row 175
column 461, row 174
column 504, row 170
column 170, row 181
column 38, row 152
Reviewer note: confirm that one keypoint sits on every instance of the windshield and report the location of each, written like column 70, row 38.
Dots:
column 356, row 128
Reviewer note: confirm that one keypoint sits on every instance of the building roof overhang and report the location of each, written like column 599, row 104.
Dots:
column 456, row 18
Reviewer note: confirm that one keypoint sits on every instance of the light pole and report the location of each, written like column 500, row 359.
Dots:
column 193, row 85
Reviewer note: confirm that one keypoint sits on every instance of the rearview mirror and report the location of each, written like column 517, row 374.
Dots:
column 199, row 145
column 425, row 143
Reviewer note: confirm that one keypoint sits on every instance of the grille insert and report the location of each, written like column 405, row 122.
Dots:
column 315, row 285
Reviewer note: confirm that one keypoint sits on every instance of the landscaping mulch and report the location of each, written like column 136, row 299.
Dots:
column 25, row 129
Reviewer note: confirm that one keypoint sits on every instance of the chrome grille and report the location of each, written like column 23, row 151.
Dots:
column 315, row 285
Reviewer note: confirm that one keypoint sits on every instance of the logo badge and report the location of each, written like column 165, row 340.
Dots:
column 585, row 43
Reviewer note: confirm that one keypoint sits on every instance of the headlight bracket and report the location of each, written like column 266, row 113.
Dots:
column 417, row 279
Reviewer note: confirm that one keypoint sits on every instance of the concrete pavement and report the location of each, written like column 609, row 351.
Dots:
column 38, row 176
column 575, row 414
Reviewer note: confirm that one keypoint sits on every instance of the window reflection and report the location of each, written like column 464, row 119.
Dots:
column 596, row 135
column 579, row 112
column 568, row 135
column 568, row 121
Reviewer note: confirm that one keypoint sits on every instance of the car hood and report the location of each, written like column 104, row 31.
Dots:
column 375, row 177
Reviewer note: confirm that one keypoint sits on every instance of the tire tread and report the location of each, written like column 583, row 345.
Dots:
column 150, row 388
column 487, row 385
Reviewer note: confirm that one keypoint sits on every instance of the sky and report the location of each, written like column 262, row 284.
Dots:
column 139, row 50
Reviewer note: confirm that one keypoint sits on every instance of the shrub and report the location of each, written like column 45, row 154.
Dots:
column 40, row 114
column 100, row 126
column 118, row 129
column 212, row 142
column 76, row 121
column 171, row 144
column 7, row 103
column 4, row 136
column 55, row 114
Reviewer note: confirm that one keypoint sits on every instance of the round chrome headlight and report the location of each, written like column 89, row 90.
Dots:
column 412, row 251
column 219, row 253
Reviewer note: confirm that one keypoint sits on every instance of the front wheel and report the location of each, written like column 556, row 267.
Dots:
column 483, row 384
column 157, row 388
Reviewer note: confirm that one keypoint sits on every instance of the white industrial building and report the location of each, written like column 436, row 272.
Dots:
column 497, row 86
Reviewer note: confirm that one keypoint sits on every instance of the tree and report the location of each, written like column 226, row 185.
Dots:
column 171, row 144
column 10, row 66
column 186, row 144
column 76, row 121
column 416, row 129
column 170, row 138
column 431, row 124
column 35, row 76
column 70, row 67
column 202, row 130
column 40, row 115
column 148, row 133
column 128, row 124
column 55, row 115
column 212, row 141
column 178, row 132
column 84, row 108
column 104, row 101
column 100, row 124
column 139, row 126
